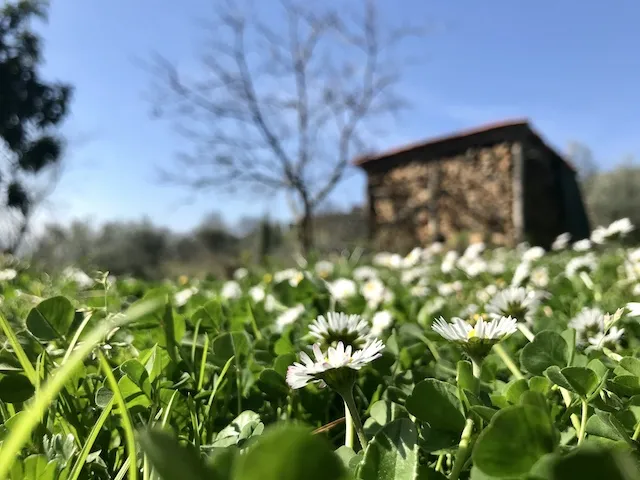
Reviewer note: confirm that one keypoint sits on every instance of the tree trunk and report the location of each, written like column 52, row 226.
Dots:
column 305, row 230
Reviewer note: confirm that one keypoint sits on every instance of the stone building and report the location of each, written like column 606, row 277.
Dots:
column 499, row 183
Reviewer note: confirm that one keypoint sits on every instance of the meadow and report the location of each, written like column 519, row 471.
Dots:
column 486, row 363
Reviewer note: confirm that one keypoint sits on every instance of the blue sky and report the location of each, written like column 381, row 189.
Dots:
column 572, row 67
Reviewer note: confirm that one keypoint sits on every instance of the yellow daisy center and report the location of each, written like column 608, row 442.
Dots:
column 475, row 318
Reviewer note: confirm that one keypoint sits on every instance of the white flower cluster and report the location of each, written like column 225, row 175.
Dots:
column 617, row 229
column 351, row 345
column 596, row 330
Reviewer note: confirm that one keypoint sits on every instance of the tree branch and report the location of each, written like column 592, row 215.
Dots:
column 282, row 108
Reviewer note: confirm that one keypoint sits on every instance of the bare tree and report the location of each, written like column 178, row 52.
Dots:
column 282, row 108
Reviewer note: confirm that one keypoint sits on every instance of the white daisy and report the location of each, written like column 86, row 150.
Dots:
column 585, row 263
column 364, row 273
column 610, row 340
column 634, row 309
column 78, row 276
column 412, row 258
column 324, row 268
column 389, row 260
column 472, row 266
column 463, row 332
column 380, row 322
column 632, row 270
column 470, row 310
column 521, row 274
column 582, row 245
column 8, row 274
column 338, row 327
column 587, row 323
column 634, row 255
column 183, row 296
column 599, row 235
column 409, row 276
column 539, row 277
column 375, row 293
column 257, row 293
column 474, row 250
column 240, row 273
column 534, row 253
column 289, row 316
column 342, row 289
column 561, row 242
column 320, row 369
column 419, row 291
column 296, row 279
column 271, row 304
column 381, row 258
column 515, row 302
column 435, row 248
column 620, row 227
column 231, row 289
column 292, row 275
column 486, row 293
column 449, row 261
column 496, row 267
column 446, row 289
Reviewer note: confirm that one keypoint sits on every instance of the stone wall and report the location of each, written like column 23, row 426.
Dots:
column 420, row 200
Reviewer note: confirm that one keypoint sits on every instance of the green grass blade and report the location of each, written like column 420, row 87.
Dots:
column 254, row 325
column 196, row 331
column 219, row 382
column 29, row 371
column 203, row 362
column 127, row 426
column 21, row 431
column 86, row 449
column 167, row 412
column 169, row 333
column 194, row 421
column 123, row 470
column 76, row 336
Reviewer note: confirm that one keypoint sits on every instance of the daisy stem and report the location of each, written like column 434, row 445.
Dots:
column 636, row 432
column 526, row 332
column 463, row 450
column 348, row 425
column 350, row 403
column 583, row 422
column 586, row 279
column 477, row 368
column 566, row 396
column 506, row 359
